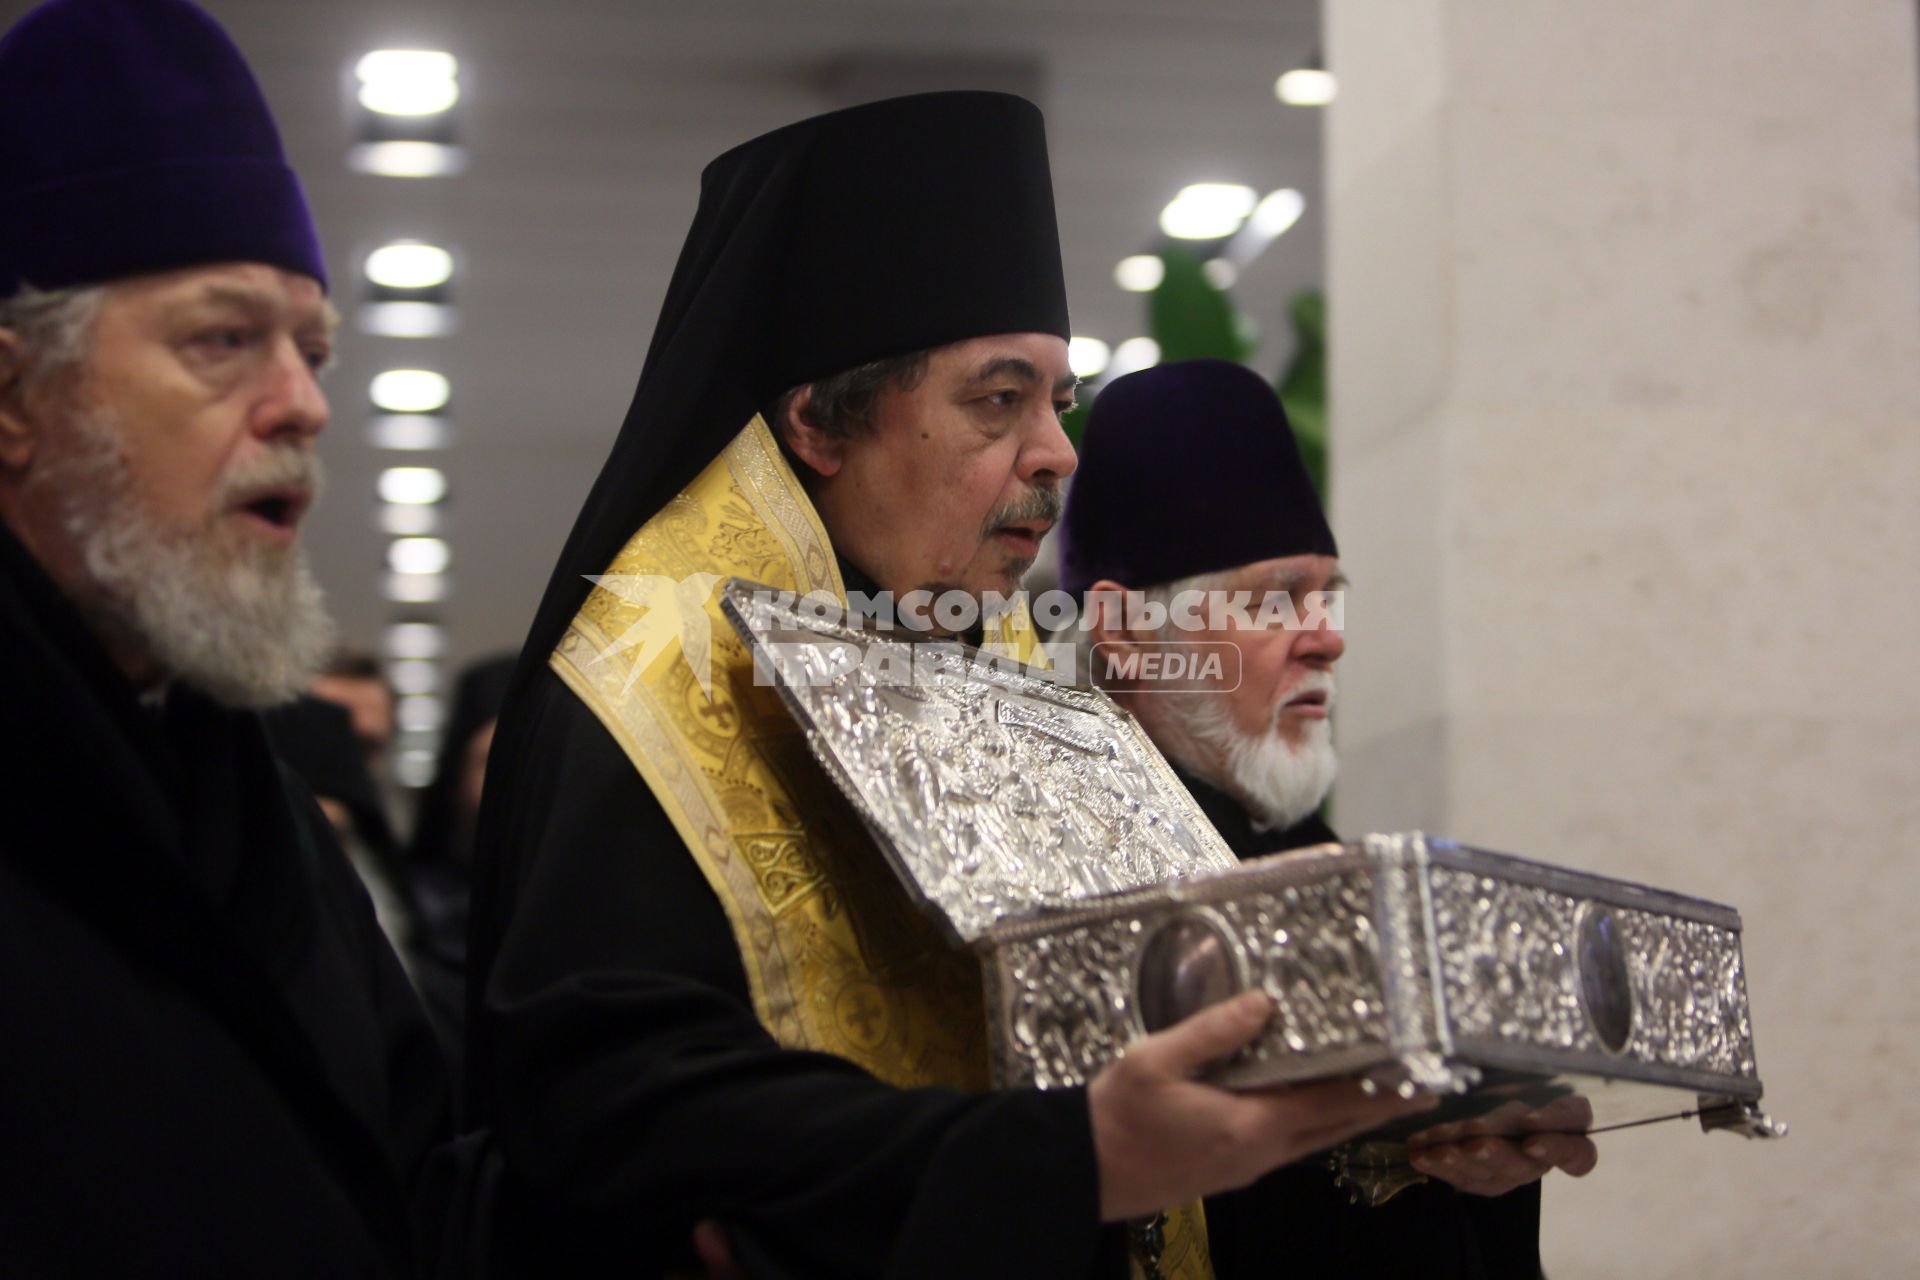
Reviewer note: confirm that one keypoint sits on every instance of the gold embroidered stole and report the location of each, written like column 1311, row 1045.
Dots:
column 1186, row 1254
column 837, row 957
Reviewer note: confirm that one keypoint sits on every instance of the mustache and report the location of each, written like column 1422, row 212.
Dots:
column 1311, row 682
column 284, row 468
column 1036, row 504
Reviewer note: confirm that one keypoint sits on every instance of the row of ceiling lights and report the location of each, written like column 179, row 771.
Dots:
column 407, row 128
column 407, row 131
column 1230, row 215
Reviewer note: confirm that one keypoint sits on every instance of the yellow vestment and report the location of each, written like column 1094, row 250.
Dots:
column 837, row 958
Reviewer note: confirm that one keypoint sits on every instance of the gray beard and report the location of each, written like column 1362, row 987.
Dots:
column 1279, row 785
column 240, row 620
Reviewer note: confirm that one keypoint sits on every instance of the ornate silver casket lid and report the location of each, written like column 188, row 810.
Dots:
column 995, row 793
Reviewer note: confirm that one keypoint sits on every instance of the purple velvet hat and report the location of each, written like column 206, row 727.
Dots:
column 133, row 138
column 1187, row 468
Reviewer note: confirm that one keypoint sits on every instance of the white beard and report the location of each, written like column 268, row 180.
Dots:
column 1277, row 783
column 239, row 619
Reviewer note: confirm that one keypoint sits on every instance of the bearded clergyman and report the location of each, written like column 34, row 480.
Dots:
column 1194, row 529
column 214, row 1065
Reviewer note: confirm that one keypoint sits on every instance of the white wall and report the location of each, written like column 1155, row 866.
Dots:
column 1626, row 390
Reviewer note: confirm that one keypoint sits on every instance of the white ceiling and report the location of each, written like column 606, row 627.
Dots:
column 588, row 122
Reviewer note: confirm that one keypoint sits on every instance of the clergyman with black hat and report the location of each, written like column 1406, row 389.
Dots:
column 1251, row 740
column 214, row 1065
column 700, row 993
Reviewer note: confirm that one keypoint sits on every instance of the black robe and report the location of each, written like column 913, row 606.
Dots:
column 212, row 1064
column 1296, row 1222
column 616, row 1054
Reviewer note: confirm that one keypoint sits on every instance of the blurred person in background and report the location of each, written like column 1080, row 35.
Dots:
column 316, row 739
column 214, row 1064
column 354, row 679
column 1252, row 742
column 440, row 858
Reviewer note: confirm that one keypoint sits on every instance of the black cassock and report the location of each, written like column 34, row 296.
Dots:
column 1296, row 1222
column 210, row 1062
column 620, row 1063
column 617, row 1057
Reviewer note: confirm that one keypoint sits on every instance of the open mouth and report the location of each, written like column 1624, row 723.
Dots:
column 278, row 510
column 1313, row 703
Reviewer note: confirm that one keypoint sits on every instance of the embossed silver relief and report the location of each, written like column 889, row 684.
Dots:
column 1690, row 993
column 1052, row 837
column 1319, row 960
column 1068, row 1003
column 1514, row 973
column 1510, row 972
column 998, row 792
column 1071, row 998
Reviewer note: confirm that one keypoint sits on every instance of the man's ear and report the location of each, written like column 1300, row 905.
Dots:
column 823, row 451
column 17, row 434
column 1104, row 601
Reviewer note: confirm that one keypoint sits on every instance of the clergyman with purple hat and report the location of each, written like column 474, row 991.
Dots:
column 1215, row 603
column 214, row 1065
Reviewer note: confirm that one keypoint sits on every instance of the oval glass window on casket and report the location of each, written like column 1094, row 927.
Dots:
column 1606, row 986
column 1185, row 966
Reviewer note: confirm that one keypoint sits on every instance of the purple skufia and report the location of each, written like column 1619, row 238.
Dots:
column 133, row 138
column 1187, row 468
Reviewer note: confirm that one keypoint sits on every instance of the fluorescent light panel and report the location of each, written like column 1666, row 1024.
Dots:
column 407, row 159
column 407, row 485
column 410, row 390
column 409, row 431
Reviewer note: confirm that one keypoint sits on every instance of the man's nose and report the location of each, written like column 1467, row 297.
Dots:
column 293, row 404
column 1049, row 452
column 1323, row 644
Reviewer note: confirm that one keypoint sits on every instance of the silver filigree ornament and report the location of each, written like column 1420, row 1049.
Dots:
column 1038, row 824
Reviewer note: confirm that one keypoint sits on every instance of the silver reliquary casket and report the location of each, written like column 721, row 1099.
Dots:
column 1038, row 825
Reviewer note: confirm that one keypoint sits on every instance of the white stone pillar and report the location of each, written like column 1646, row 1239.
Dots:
column 1625, row 307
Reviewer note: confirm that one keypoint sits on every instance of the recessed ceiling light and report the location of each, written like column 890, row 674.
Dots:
column 416, row 588
column 409, row 520
column 1220, row 273
column 410, row 391
column 416, row 640
column 408, row 82
column 1207, row 211
column 409, row 431
column 1306, row 87
column 1087, row 356
column 1142, row 273
column 413, row 675
column 419, row 555
column 407, row 159
column 1278, row 211
column 413, row 767
column 419, row 713
column 411, row 485
column 409, row 319
column 1134, row 354
column 409, row 264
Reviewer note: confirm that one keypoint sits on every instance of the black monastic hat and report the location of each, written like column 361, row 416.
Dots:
column 870, row 232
